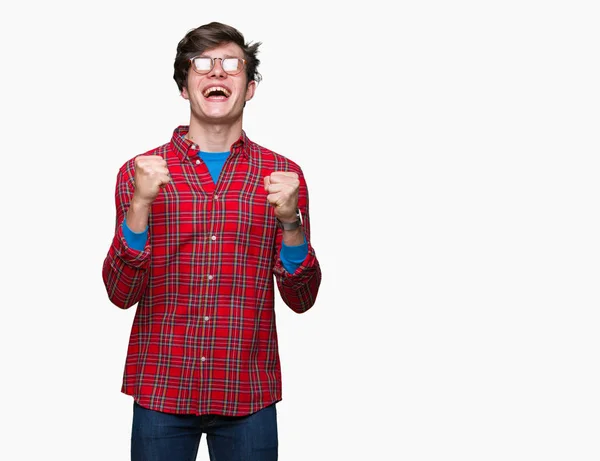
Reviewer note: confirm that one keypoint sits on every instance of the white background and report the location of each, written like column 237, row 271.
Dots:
column 451, row 153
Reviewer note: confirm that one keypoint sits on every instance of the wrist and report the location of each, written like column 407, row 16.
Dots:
column 137, row 216
column 140, row 205
column 288, row 219
column 290, row 223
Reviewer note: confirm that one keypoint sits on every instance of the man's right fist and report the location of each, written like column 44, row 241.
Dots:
column 151, row 173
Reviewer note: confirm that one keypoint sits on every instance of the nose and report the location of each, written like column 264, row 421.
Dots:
column 217, row 70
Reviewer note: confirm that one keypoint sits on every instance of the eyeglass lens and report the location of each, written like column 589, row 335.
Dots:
column 230, row 65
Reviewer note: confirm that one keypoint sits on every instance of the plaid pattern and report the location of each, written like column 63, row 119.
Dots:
column 203, row 339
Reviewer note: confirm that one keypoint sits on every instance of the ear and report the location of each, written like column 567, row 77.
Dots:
column 185, row 94
column 250, row 90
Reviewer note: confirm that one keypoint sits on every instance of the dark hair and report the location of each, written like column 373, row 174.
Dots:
column 209, row 36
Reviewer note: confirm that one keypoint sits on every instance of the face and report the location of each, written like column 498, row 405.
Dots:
column 217, row 97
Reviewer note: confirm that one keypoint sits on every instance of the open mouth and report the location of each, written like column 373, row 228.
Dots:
column 216, row 92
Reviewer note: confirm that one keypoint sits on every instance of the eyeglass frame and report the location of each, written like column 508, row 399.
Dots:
column 213, row 62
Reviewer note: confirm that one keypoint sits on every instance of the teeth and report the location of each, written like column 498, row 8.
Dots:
column 216, row 88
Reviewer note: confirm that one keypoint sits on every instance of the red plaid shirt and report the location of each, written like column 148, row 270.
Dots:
column 203, row 338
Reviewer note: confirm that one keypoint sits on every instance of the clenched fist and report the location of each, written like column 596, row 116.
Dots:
column 282, row 189
column 151, row 173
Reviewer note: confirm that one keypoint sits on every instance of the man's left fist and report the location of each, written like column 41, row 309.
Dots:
column 282, row 189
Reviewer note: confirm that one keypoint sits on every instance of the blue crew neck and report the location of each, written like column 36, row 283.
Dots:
column 213, row 154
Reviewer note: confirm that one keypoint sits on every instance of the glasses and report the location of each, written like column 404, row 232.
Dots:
column 204, row 64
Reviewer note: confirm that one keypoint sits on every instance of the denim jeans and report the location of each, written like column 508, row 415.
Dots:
column 158, row 436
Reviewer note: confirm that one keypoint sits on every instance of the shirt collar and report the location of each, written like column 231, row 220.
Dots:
column 187, row 150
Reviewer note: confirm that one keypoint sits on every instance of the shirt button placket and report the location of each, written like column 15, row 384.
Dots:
column 210, row 278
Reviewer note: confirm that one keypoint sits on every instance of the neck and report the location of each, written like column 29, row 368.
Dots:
column 214, row 137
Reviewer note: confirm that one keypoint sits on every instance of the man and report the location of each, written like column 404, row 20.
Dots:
column 204, row 224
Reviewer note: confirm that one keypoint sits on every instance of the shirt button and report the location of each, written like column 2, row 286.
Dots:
column 210, row 277
column 216, row 197
column 194, row 146
column 206, row 318
column 214, row 237
column 197, row 161
column 203, row 359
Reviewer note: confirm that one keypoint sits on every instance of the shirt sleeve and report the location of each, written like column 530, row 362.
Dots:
column 299, row 288
column 125, row 269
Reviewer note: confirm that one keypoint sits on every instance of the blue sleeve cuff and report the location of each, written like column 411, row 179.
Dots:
column 135, row 240
column 292, row 256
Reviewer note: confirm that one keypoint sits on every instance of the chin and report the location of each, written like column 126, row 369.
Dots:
column 222, row 115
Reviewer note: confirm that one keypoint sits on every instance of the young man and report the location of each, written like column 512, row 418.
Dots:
column 204, row 225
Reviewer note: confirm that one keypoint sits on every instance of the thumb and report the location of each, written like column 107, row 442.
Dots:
column 267, row 183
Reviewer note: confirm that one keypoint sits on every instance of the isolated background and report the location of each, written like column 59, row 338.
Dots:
column 451, row 153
